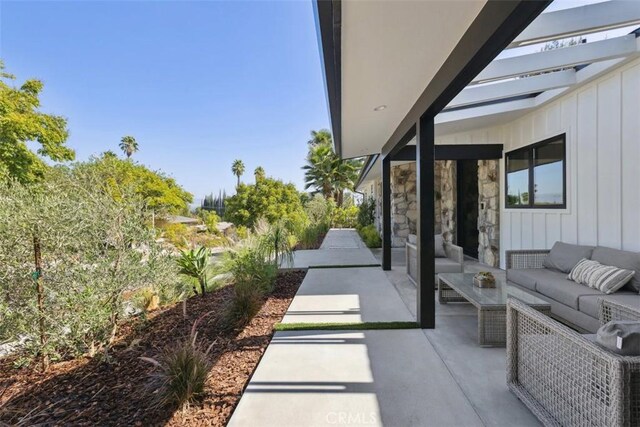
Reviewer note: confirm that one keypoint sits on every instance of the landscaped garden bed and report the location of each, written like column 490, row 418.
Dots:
column 115, row 389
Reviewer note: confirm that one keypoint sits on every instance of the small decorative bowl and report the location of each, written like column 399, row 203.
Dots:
column 484, row 280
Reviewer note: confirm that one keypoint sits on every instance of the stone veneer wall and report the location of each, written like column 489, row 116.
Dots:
column 445, row 204
column 377, row 221
column 404, row 209
column 489, row 212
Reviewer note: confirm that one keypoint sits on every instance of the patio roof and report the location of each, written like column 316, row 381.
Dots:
column 386, row 56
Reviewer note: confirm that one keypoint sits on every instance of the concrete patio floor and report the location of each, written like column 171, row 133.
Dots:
column 409, row 377
column 330, row 295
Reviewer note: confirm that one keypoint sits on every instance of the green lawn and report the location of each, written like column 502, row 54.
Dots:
column 344, row 326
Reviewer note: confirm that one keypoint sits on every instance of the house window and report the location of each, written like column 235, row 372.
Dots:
column 535, row 175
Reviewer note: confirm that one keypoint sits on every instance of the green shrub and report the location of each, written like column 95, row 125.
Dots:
column 248, row 265
column 242, row 232
column 246, row 302
column 345, row 217
column 208, row 240
column 319, row 210
column 366, row 212
column 92, row 251
column 370, row 236
column 268, row 198
column 177, row 234
column 209, row 218
column 311, row 235
column 181, row 372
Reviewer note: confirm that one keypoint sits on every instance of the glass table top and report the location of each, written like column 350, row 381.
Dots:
column 463, row 284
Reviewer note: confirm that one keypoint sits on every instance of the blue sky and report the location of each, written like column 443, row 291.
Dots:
column 197, row 83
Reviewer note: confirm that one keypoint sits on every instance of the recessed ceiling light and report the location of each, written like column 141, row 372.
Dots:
column 380, row 107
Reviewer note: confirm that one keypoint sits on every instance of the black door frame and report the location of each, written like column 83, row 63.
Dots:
column 460, row 170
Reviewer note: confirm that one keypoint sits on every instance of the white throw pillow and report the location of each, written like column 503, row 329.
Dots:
column 605, row 278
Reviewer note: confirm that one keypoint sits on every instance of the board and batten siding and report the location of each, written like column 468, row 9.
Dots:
column 602, row 124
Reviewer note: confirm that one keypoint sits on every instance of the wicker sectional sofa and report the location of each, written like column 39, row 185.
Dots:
column 453, row 263
column 572, row 303
column 565, row 378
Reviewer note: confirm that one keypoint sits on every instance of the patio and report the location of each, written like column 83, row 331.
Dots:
column 377, row 377
column 537, row 110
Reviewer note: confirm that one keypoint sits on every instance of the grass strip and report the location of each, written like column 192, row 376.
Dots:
column 358, row 326
column 344, row 266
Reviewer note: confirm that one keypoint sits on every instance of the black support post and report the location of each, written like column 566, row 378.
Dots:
column 386, row 213
column 426, row 310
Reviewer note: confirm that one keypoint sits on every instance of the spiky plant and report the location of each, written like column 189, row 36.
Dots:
column 195, row 264
column 274, row 242
column 181, row 371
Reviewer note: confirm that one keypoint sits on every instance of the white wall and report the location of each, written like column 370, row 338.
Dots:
column 602, row 123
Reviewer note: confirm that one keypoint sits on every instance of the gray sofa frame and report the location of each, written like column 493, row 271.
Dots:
column 454, row 254
column 565, row 378
column 533, row 259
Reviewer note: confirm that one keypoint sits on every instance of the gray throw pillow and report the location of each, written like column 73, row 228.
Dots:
column 563, row 256
column 621, row 337
column 439, row 246
column 622, row 259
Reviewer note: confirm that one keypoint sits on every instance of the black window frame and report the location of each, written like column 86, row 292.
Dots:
column 531, row 149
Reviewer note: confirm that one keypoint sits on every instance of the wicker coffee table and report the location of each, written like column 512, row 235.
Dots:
column 490, row 302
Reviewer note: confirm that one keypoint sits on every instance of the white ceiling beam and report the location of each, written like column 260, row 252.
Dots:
column 583, row 76
column 579, row 21
column 523, row 86
column 485, row 110
column 559, row 58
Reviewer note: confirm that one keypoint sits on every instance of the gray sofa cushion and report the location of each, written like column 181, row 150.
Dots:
column 446, row 265
column 439, row 246
column 621, row 337
column 564, row 291
column 588, row 304
column 622, row 259
column 531, row 277
column 564, row 256
column 525, row 277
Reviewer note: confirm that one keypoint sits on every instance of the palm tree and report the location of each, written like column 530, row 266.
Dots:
column 238, row 169
column 322, row 136
column 128, row 145
column 326, row 172
column 346, row 176
column 259, row 173
column 320, row 169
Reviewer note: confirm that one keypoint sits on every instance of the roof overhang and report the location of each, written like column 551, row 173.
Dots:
column 408, row 56
column 394, row 53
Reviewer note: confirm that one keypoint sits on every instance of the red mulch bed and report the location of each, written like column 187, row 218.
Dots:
column 93, row 392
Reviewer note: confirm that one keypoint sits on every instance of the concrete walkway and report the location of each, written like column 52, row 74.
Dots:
column 330, row 295
column 340, row 248
column 404, row 377
column 342, row 238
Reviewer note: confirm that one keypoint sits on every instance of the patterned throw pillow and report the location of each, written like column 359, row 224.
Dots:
column 604, row 278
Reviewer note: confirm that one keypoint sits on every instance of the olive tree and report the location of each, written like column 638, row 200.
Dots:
column 70, row 253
